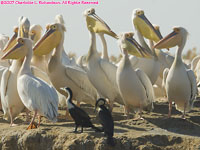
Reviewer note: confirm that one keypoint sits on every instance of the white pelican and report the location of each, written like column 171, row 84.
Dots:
column 195, row 66
column 35, row 94
column 3, row 43
column 65, row 58
column 11, row 102
column 195, row 62
column 3, row 40
column 61, row 75
column 151, row 66
column 3, row 64
column 134, row 85
column 101, row 72
column 41, row 62
column 35, row 34
column 105, row 50
column 179, row 82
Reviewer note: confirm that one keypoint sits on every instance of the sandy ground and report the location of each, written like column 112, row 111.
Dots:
column 155, row 132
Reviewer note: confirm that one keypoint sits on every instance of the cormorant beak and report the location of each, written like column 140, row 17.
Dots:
column 97, row 25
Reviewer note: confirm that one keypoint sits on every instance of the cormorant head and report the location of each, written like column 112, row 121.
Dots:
column 68, row 91
column 100, row 102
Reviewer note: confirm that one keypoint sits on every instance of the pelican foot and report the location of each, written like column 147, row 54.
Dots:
column 138, row 118
column 32, row 126
column 13, row 125
column 183, row 117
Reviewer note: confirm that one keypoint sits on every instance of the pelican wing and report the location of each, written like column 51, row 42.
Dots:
column 80, row 78
column 165, row 73
column 4, row 83
column 169, row 60
column 40, row 74
column 3, row 40
column 147, row 85
column 194, row 62
column 42, row 97
column 66, row 60
column 193, row 83
column 134, row 60
column 110, row 70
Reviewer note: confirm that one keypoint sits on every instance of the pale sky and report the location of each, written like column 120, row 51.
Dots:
column 116, row 13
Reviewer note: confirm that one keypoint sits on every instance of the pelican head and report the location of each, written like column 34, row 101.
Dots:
column 157, row 28
column 50, row 40
column 59, row 19
column 24, row 26
column 144, row 26
column 127, row 42
column 12, row 40
column 96, row 24
column 19, row 50
column 176, row 38
column 35, row 32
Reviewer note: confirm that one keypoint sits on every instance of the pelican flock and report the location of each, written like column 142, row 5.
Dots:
column 37, row 74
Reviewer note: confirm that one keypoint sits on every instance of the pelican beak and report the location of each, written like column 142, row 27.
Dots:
column 16, row 52
column 144, row 26
column 32, row 37
column 169, row 41
column 11, row 42
column 48, row 42
column 134, row 48
column 97, row 25
column 24, row 30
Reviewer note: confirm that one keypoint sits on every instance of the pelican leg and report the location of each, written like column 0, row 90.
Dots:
column 78, row 103
column 183, row 116
column 126, row 110
column 11, row 118
column 111, row 105
column 0, row 106
column 81, row 129
column 140, row 114
column 32, row 125
column 27, row 115
column 170, row 109
column 39, row 120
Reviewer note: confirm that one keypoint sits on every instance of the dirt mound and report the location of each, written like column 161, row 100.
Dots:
column 155, row 132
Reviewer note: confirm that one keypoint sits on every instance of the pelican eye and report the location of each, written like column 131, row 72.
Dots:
column 126, row 35
column 21, row 41
column 16, row 30
column 53, row 27
column 176, row 30
column 157, row 27
column 131, row 34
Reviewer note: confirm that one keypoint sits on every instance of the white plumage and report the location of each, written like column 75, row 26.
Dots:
column 38, row 96
column 134, row 85
column 179, row 82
